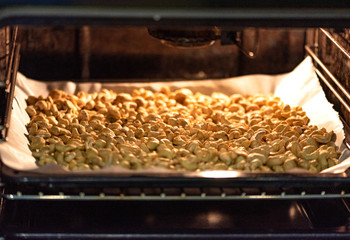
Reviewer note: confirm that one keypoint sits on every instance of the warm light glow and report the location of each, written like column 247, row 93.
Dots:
column 219, row 174
column 292, row 212
column 214, row 218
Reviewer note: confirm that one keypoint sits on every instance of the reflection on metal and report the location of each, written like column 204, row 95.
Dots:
column 330, row 37
column 182, row 196
column 219, row 174
column 293, row 212
column 213, row 218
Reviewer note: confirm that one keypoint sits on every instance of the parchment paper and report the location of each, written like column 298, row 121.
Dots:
column 297, row 88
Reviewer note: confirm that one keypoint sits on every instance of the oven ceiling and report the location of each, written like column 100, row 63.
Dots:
column 268, row 13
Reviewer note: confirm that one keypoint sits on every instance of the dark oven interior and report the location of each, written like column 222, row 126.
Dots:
column 124, row 53
column 81, row 48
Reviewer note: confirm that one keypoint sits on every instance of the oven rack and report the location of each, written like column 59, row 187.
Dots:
column 174, row 194
column 337, row 89
column 7, row 85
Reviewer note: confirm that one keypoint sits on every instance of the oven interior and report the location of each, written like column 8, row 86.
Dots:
column 247, row 207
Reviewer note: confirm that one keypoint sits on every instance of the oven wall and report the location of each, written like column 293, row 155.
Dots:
column 50, row 53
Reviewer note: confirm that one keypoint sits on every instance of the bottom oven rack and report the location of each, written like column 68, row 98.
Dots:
column 172, row 194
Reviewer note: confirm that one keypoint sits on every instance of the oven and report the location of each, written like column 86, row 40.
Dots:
column 128, row 42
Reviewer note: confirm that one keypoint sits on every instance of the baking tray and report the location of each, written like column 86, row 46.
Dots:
column 189, row 179
column 14, row 180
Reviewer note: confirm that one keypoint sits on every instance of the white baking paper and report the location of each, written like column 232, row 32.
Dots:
column 297, row 88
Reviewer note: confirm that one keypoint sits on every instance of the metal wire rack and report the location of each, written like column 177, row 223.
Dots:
column 8, row 79
column 178, row 194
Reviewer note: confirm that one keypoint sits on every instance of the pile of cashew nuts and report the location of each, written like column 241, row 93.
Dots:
column 178, row 130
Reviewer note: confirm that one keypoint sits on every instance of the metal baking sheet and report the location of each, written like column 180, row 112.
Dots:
column 297, row 88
